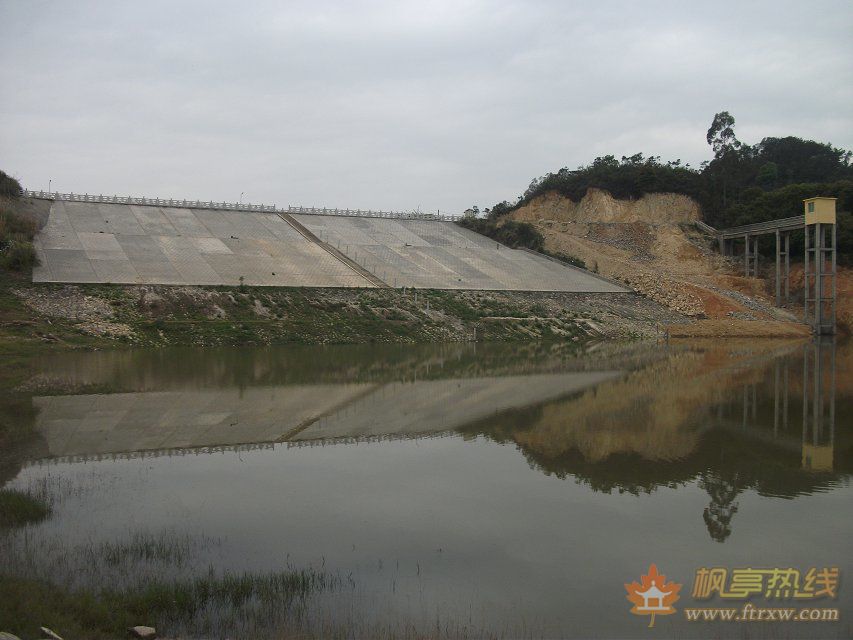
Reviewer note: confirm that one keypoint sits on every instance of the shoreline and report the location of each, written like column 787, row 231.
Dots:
column 95, row 316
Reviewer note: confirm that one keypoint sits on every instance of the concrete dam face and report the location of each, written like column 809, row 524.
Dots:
column 85, row 242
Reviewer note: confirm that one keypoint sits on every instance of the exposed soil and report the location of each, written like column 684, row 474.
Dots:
column 653, row 246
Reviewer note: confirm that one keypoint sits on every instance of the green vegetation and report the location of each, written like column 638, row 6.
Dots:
column 630, row 177
column 511, row 233
column 517, row 235
column 18, row 508
column 98, row 590
column 220, row 316
column 565, row 257
column 742, row 184
column 26, row 603
column 16, row 232
column 9, row 187
column 173, row 550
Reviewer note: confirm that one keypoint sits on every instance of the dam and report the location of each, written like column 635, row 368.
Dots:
column 110, row 242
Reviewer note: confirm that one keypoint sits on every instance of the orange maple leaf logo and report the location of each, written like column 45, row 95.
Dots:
column 655, row 596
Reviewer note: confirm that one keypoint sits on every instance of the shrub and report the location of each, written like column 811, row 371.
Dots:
column 511, row 233
column 16, row 247
column 12, row 225
column 565, row 257
column 17, row 255
column 9, row 187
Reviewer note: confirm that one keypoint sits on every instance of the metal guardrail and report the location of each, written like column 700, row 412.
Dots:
column 702, row 226
column 771, row 226
column 234, row 206
column 757, row 228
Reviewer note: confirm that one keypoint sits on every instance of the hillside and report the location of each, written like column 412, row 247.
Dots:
column 652, row 244
column 741, row 184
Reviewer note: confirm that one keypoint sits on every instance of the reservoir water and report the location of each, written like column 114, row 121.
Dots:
column 441, row 490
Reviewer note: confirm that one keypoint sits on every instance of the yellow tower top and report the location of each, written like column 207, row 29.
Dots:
column 820, row 210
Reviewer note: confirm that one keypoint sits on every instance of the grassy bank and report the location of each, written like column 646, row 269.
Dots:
column 46, row 316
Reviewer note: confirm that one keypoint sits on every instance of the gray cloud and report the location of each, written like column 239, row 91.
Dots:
column 397, row 105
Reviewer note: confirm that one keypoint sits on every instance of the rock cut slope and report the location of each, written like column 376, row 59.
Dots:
column 652, row 245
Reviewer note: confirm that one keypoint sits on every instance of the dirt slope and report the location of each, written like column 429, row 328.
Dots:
column 652, row 245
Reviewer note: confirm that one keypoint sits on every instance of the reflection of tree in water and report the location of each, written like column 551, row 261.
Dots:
column 18, row 438
column 718, row 515
column 723, row 463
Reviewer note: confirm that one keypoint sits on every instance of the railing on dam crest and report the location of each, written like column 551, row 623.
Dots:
column 234, row 206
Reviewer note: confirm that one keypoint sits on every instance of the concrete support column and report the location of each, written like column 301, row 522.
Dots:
column 806, row 276
column 786, row 389
column 746, row 255
column 778, row 268
column 834, row 278
column 818, row 276
column 787, row 267
column 776, row 404
column 806, row 349
column 755, row 257
column 817, row 404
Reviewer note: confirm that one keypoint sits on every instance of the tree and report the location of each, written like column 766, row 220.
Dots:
column 730, row 169
column 721, row 135
column 768, row 175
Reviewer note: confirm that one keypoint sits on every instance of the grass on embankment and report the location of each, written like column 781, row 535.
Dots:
column 38, row 316
column 27, row 603
column 99, row 589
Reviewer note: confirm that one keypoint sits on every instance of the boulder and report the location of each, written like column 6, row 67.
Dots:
column 141, row 631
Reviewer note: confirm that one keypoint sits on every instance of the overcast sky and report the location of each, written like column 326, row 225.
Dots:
column 437, row 105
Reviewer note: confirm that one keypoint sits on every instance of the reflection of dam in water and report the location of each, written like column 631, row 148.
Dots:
column 656, row 408
column 97, row 424
column 729, row 420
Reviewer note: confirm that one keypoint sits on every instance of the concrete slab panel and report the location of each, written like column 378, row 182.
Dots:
column 115, row 271
column 141, row 248
column 101, row 246
column 51, row 238
column 219, row 223
column 249, row 225
column 210, row 245
column 86, row 242
column 244, row 247
column 186, row 223
column 279, row 227
column 194, row 269
column 153, row 221
column 157, row 272
column 85, row 217
column 69, row 265
column 119, row 218
column 41, row 272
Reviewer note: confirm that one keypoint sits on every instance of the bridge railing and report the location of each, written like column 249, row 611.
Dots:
column 703, row 226
column 234, row 206
column 771, row 226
